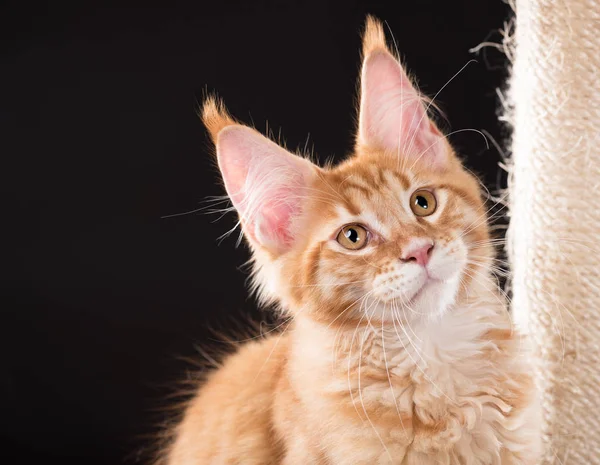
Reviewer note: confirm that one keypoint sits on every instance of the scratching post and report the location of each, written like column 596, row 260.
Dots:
column 554, row 234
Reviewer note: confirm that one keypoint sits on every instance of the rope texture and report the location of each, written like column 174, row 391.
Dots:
column 554, row 235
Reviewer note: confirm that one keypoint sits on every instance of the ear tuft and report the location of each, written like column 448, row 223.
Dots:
column 373, row 37
column 392, row 116
column 266, row 184
column 215, row 116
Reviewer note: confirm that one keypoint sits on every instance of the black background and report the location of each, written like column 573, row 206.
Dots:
column 100, row 139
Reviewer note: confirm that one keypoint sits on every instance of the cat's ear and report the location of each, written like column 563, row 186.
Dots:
column 266, row 183
column 392, row 115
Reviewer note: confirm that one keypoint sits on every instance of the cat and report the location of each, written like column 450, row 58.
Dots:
column 400, row 349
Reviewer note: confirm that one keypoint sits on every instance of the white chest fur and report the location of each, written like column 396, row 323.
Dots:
column 430, row 392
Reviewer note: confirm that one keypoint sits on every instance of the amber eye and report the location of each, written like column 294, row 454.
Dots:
column 423, row 203
column 353, row 237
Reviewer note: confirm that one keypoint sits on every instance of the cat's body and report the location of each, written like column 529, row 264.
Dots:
column 293, row 400
column 401, row 350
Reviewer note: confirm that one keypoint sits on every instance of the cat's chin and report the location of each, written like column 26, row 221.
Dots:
column 431, row 301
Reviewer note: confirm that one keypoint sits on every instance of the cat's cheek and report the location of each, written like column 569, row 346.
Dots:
column 398, row 283
column 449, row 262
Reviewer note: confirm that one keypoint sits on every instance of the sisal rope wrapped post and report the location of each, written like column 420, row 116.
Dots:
column 554, row 235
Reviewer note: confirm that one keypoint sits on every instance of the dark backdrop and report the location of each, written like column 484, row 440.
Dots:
column 100, row 139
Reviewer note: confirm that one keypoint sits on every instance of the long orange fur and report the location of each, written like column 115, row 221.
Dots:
column 355, row 380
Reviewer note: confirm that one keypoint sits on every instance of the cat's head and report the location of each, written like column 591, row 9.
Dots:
column 398, row 228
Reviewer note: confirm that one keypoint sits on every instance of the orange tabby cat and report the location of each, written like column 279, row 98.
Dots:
column 401, row 350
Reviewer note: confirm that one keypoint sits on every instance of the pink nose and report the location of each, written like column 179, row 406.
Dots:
column 418, row 252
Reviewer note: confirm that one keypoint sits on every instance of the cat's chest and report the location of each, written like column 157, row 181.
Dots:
column 431, row 395
column 427, row 414
column 428, row 384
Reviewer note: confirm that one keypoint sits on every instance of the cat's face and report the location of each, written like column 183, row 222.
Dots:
column 381, row 236
column 398, row 230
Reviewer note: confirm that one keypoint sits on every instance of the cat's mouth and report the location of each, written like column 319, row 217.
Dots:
column 424, row 290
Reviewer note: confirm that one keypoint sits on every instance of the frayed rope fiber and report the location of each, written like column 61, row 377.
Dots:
column 554, row 234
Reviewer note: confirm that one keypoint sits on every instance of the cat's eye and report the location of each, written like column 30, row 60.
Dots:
column 353, row 237
column 423, row 202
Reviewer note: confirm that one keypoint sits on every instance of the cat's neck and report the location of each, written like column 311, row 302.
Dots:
column 400, row 344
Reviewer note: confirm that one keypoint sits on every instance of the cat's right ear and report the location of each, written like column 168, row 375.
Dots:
column 267, row 184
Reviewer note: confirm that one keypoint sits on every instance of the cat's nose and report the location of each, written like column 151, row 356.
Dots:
column 418, row 251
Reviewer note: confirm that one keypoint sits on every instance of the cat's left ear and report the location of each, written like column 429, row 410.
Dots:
column 392, row 115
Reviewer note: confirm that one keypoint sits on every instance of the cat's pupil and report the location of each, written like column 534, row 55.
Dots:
column 352, row 235
column 422, row 202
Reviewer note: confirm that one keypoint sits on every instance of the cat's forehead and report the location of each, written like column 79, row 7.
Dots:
column 377, row 179
column 376, row 192
column 381, row 169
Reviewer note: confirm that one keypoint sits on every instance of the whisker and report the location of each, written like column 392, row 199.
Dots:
column 390, row 379
column 439, row 139
column 330, row 285
column 425, row 115
column 360, row 392
column 417, row 364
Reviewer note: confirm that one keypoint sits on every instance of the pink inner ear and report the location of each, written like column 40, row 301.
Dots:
column 266, row 184
column 392, row 115
column 277, row 214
